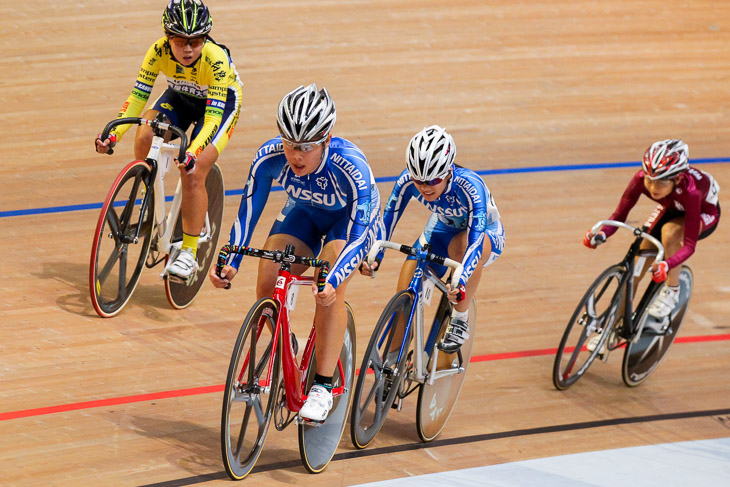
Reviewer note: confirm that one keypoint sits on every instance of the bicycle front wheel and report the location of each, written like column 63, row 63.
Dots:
column 646, row 351
column 596, row 314
column 250, row 393
column 317, row 444
column 118, row 252
column 179, row 294
column 380, row 375
column 437, row 400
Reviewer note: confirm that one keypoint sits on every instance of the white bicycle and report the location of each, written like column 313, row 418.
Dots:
column 394, row 366
column 135, row 230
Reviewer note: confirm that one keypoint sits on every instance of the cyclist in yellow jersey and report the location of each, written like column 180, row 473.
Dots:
column 203, row 89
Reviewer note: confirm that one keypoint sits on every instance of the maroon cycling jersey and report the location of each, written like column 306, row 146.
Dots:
column 695, row 196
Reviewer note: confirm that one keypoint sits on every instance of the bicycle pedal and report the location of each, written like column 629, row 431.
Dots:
column 309, row 422
column 174, row 278
column 397, row 405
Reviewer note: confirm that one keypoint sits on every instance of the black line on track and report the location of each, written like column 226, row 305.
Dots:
column 197, row 479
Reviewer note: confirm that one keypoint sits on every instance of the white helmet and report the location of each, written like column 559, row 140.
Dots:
column 306, row 115
column 666, row 159
column 430, row 154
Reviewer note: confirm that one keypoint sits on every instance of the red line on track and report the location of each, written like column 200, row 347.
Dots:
column 115, row 401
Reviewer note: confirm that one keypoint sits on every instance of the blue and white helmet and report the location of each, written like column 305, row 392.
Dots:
column 430, row 154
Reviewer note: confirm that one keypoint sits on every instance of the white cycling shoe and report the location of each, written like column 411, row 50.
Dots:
column 593, row 343
column 456, row 334
column 664, row 303
column 184, row 265
column 318, row 404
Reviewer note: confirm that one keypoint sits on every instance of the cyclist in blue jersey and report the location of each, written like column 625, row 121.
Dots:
column 465, row 223
column 333, row 211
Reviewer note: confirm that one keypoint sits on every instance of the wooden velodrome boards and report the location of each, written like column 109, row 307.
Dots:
column 540, row 95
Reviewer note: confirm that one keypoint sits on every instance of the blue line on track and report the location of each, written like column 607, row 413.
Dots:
column 484, row 172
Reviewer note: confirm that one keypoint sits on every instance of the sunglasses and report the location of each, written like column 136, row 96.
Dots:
column 181, row 42
column 303, row 146
column 431, row 182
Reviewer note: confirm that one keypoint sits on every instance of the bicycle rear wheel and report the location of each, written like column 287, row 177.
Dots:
column 179, row 294
column 250, row 395
column 596, row 314
column 380, row 377
column 437, row 400
column 647, row 350
column 116, row 258
column 317, row 444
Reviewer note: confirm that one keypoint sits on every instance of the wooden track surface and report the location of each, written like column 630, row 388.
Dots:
column 518, row 84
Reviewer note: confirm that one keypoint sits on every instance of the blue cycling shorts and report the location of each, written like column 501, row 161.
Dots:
column 439, row 235
column 311, row 225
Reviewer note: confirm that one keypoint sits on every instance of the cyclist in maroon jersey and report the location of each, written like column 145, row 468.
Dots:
column 688, row 211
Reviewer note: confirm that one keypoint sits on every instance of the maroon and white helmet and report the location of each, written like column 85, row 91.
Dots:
column 666, row 159
column 430, row 154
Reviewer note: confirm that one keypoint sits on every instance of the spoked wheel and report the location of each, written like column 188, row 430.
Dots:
column 250, row 393
column 437, row 400
column 317, row 444
column 646, row 351
column 179, row 294
column 380, row 376
column 595, row 315
column 117, row 258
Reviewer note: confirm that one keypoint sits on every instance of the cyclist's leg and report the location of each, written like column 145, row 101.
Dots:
column 457, row 249
column 331, row 321
column 195, row 196
column 492, row 244
column 656, row 222
column 672, row 239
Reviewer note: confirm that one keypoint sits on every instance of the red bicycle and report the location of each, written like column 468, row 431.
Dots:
column 255, row 389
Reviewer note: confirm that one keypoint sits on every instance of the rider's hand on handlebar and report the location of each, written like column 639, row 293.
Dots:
column 327, row 297
column 367, row 270
column 188, row 163
column 659, row 271
column 592, row 240
column 105, row 146
column 224, row 280
column 456, row 295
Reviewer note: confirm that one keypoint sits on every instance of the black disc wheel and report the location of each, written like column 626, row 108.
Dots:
column 181, row 294
column 646, row 351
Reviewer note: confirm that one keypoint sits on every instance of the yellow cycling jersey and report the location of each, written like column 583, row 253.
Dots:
column 208, row 79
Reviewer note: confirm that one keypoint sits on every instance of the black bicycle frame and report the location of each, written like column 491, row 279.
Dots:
column 627, row 281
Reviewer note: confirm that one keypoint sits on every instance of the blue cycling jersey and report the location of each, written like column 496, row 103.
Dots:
column 341, row 183
column 465, row 204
